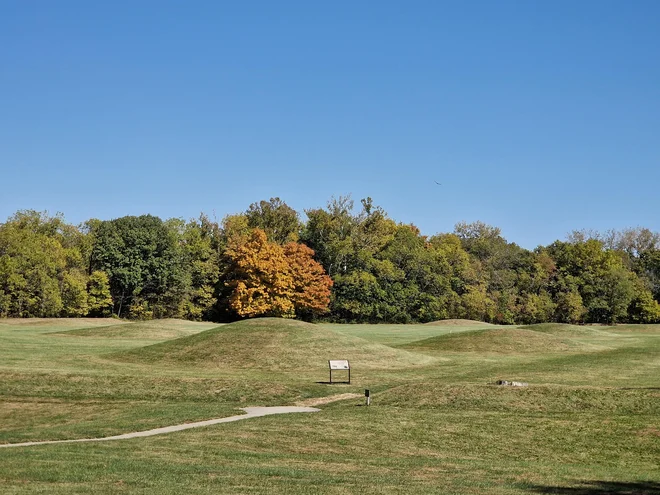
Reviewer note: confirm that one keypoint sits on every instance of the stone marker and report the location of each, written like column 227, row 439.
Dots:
column 512, row 384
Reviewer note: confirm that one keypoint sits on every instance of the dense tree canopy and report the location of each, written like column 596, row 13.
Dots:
column 277, row 219
column 144, row 264
column 266, row 279
column 340, row 264
column 44, row 269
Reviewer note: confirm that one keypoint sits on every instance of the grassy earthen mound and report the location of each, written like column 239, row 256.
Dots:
column 56, row 324
column 152, row 329
column 494, row 341
column 565, row 329
column 631, row 328
column 273, row 344
column 459, row 322
column 433, row 394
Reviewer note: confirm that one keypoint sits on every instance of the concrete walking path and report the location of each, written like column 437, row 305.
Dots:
column 252, row 412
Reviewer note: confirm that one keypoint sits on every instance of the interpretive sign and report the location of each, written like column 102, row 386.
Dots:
column 339, row 365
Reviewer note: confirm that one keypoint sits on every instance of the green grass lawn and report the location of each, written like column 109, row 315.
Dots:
column 392, row 334
column 589, row 422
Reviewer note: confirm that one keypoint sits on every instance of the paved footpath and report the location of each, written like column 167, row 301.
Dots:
column 252, row 412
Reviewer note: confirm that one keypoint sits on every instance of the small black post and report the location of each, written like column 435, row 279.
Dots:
column 367, row 394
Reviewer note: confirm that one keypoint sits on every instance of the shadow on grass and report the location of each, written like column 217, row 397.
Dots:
column 602, row 488
column 334, row 383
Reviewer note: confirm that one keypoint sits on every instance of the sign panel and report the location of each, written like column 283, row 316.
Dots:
column 339, row 364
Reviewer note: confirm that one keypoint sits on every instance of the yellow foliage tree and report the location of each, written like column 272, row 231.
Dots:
column 267, row 279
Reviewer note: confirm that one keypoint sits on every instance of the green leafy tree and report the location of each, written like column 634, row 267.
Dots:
column 650, row 269
column 479, row 239
column 535, row 308
column 618, row 292
column 477, row 304
column 278, row 220
column 142, row 260
column 234, row 229
column 99, row 298
column 569, row 307
column 606, row 286
column 73, row 287
column 33, row 265
column 643, row 308
column 513, row 277
column 200, row 241
column 421, row 276
column 357, row 297
column 329, row 233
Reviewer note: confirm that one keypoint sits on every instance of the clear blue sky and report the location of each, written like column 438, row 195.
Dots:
column 536, row 117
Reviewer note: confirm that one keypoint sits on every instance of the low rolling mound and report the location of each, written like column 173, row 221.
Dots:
column 459, row 322
column 57, row 324
column 434, row 394
column 494, row 341
column 634, row 328
column 273, row 344
column 564, row 329
column 153, row 329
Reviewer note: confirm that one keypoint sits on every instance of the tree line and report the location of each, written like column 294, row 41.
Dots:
column 342, row 264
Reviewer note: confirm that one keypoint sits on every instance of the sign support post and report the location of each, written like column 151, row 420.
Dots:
column 339, row 364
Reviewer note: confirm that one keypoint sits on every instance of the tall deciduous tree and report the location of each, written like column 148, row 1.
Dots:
column 266, row 279
column 278, row 220
column 310, row 291
column 329, row 233
column 200, row 251
column 650, row 268
column 31, row 266
column 142, row 267
column 141, row 258
column 42, row 267
column 99, row 299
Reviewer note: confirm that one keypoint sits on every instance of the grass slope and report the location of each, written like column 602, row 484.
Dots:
column 460, row 322
column 56, row 324
column 566, row 330
column 495, row 341
column 273, row 344
column 155, row 329
column 547, row 399
column 587, row 424
column 394, row 334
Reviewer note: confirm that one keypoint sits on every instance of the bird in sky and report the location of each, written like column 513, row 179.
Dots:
column 437, row 182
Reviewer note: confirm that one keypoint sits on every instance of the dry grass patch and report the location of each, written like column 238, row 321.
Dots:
column 319, row 401
column 650, row 432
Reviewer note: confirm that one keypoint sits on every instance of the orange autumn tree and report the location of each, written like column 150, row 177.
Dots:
column 311, row 285
column 267, row 279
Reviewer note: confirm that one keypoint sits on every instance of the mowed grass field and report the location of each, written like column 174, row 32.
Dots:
column 588, row 423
